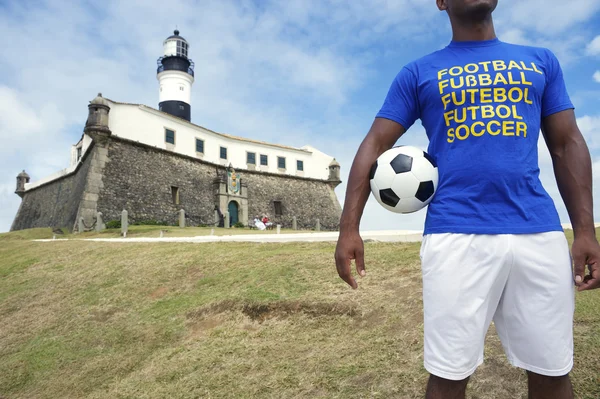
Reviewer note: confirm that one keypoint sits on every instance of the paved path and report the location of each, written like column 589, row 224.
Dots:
column 383, row 236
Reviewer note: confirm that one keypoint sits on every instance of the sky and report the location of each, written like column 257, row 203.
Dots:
column 292, row 72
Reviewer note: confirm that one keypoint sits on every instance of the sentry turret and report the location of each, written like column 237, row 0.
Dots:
column 22, row 179
column 175, row 75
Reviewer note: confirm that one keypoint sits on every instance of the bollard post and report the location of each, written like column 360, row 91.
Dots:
column 226, row 215
column 182, row 218
column 124, row 223
column 294, row 223
column 318, row 228
column 99, row 223
column 80, row 225
column 278, row 229
column 161, row 234
column 212, row 232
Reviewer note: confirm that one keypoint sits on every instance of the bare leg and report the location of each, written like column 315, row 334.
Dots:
column 440, row 388
column 542, row 387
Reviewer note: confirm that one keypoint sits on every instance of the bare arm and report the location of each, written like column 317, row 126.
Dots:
column 381, row 137
column 573, row 171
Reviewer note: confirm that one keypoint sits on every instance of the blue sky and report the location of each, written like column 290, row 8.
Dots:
column 293, row 72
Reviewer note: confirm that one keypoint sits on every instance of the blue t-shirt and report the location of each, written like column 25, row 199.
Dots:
column 481, row 104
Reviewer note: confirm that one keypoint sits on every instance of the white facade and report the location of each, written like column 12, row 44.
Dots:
column 77, row 152
column 79, row 149
column 147, row 125
column 175, row 86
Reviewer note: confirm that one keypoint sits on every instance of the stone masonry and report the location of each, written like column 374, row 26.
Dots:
column 54, row 204
column 141, row 179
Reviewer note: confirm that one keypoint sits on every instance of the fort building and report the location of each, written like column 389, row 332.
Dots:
column 155, row 162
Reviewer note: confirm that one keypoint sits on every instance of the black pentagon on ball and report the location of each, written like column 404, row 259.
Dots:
column 430, row 159
column 389, row 197
column 373, row 170
column 402, row 163
column 425, row 191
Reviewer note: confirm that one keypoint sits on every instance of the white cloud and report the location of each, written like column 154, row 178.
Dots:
column 597, row 76
column 593, row 48
column 590, row 128
column 515, row 36
column 537, row 23
column 544, row 18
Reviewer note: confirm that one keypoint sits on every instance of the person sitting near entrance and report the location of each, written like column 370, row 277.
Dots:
column 267, row 223
column 259, row 224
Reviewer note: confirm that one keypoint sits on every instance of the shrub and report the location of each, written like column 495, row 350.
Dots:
column 239, row 224
column 113, row 224
column 148, row 222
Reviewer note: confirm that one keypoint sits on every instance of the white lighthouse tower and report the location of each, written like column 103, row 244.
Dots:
column 175, row 75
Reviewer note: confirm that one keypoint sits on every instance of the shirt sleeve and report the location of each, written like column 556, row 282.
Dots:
column 555, row 98
column 402, row 104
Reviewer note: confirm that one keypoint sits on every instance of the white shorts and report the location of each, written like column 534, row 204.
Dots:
column 523, row 282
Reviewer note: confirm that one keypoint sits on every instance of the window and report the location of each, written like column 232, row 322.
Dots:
column 251, row 158
column 264, row 160
column 199, row 145
column 181, row 88
column 278, row 208
column 223, row 153
column 170, row 136
column 182, row 48
column 175, row 195
column 78, row 153
column 281, row 162
column 300, row 166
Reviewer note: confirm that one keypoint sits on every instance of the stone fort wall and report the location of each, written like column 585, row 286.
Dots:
column 139, row 178
column 54, row 204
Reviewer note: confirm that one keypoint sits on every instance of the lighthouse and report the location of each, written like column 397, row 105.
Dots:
column 175, row 75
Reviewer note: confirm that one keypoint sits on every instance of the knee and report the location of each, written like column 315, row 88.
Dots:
column 448, row 385
column 546, row 378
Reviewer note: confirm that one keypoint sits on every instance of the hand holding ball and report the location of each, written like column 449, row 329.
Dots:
column 404, row 179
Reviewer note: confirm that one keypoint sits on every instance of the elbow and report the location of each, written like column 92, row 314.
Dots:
column 572, row 146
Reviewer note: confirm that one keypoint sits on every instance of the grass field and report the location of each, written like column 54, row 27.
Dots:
column 141, row 231
column 116, row 320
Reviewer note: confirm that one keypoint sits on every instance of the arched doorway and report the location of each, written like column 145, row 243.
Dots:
column 233, row 209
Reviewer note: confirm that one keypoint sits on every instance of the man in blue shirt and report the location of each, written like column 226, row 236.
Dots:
column 493, row 246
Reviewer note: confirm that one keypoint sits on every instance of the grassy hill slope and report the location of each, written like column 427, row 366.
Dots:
column 101, row 320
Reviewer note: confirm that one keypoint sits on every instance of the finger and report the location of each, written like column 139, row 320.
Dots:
column 360, row 263
column 591, row 281
column 344, row 271
column 579, row 268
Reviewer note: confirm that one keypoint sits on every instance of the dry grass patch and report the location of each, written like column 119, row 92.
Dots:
column 230, row 320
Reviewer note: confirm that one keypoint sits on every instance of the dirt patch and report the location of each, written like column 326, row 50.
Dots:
column 159, row 292
column 261, row 312
column 195, row 273
column 265, row 311
column 102, row 315
column 374, row 318
column 200, row 327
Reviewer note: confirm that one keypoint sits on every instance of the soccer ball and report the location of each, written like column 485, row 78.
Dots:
column 404, row 179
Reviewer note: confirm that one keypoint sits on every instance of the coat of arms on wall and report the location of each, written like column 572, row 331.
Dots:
column 233, row 181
